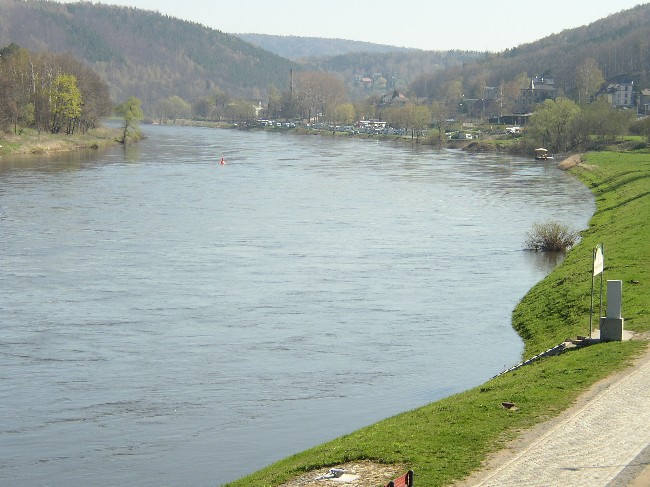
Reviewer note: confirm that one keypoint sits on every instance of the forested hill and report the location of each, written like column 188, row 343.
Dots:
column 619, row 44
column 300, row 48
column 153, row 56
column 349, row 58
column 143, row 53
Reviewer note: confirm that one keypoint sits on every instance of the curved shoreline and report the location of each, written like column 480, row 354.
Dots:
column 543, row 390
column 578, row 163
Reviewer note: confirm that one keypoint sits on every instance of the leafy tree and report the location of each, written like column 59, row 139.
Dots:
column 8, row 109
column 203, row 107
column 552, row 124
column 97, row 103
column 274, row 107
column 343, row 114
column 598, row 119
column 440, row 113
column 367, row 109
column 419, row 117
column 454, row 91
column 241, row 111
column 10, row 50
column 409, row 117
column 511, row 91
column 66, row 103
column 18, row 86
column 131, row 112
column 173, row 108
column 380, row 83
column 642, row 127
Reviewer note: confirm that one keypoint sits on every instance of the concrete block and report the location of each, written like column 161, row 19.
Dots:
column 611, row 329
column 614, row 299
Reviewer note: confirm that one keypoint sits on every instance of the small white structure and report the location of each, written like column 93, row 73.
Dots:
column 611, row 325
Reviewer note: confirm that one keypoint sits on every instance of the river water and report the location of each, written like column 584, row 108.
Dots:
column 167, row 320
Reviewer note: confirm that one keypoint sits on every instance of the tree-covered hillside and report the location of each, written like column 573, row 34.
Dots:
column 296, row 47
column 144, row 53
column 398, row 65
column 401, row 67
column 171, row 64
column 619, row 45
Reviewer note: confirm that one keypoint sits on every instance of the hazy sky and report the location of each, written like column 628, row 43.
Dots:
column 492, row 25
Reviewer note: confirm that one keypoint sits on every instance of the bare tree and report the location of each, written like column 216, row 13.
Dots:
column 315, row 93
column 589, row 79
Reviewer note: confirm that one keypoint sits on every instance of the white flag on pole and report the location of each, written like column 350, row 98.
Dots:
column 599, row 260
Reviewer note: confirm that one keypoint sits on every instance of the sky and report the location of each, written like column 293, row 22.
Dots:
column 473, row 25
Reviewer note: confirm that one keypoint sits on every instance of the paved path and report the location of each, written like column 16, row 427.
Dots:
column 602, row 441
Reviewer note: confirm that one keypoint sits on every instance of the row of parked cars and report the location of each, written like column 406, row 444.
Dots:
column 273, row 123
column 370, row 129
column 351, row 129
column 461, row 136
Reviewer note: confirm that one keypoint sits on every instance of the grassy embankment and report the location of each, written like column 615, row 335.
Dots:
column 31, row 142
column 448, row 439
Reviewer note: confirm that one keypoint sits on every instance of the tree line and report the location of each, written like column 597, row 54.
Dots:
column 49, row 92
column 319, row 97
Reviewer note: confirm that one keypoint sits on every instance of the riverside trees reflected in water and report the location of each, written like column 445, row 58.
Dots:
column 168, row 320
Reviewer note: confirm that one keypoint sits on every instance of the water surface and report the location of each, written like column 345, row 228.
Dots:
column 170, row 321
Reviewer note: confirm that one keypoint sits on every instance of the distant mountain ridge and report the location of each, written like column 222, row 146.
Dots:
column 300, row 48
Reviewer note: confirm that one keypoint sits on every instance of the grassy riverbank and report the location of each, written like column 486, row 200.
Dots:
column 32, row 142
column 446, row 440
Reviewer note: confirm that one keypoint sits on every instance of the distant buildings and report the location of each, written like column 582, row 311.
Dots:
column 394, row 98
column 540, row 88
column 620, row 95
column 644, row 102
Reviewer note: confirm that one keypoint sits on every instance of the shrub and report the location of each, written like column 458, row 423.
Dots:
column 550, row 236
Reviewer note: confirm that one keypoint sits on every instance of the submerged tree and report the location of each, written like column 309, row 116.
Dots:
column 131, row 112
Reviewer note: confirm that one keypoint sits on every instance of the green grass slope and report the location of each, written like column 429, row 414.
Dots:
column 558, row 307
column 447, row 440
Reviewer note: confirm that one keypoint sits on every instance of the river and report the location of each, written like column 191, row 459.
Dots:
column 167, row 320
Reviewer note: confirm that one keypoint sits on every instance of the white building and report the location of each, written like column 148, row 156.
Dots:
column 621, row 95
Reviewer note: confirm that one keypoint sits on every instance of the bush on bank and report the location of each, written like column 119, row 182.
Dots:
column 551, row 236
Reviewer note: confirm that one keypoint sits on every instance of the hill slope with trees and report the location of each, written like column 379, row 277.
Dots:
column 619, row 45
column 297, row 47
column 169, row 63
column 143, row 53
column 155, row 57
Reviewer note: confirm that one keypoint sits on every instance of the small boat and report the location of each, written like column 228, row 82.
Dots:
column 542, row 154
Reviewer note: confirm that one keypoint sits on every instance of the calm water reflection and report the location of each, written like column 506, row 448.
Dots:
column 170, row 321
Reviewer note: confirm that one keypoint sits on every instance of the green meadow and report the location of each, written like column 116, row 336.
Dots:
column 445, row 441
